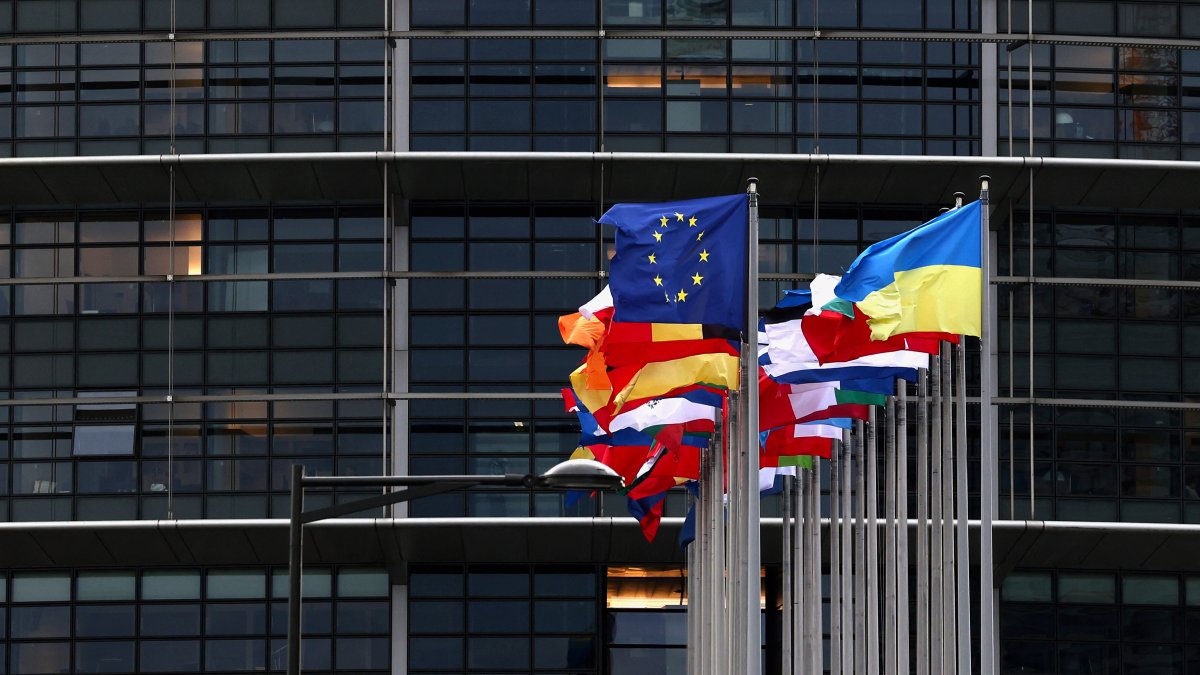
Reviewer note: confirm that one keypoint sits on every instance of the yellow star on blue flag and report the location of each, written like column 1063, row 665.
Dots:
column 657, row 248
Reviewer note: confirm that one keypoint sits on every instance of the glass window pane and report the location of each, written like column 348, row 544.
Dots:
column 170, row 585
column 41, row 622
column 36, row 658
column 237, row 584
column 364, row 653
column 1087, row 588
column 41, row 587
column 237, row 655
column 235, row 619
column 160, row 620
column 304, row 117
column 109, row 120
column 498, row 653
column 46, row 16
column 436, row 616
column 104, row 657
column 364, row 583
column 170, row 656
column 239, row 13
column 105, row 586
column 1150, row 590
column 104, row 621
column 1027, row 587
column 498, row 616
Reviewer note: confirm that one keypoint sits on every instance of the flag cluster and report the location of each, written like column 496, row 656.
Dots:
column 663, row 345
column 663, row 341
column 829, row 352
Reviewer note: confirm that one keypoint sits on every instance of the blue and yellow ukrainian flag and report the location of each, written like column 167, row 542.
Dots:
column 926, row 280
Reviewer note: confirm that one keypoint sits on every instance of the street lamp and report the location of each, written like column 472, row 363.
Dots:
column 573, row 474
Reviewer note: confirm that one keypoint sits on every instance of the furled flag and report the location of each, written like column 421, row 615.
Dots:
column 836, row 330
column 782, row 404
column 648, row 512
column 770, row 478
column 681, row 262
column 929, row 279
column 787, row 441
column 780, row 461
column 701, row 404
column 662, row 377
column 577, row 329
column 662, row 453
column 627, row 344
column 790, row 359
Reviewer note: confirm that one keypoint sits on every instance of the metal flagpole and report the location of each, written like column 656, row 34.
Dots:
column 835, row 562
column 802, row 552
column 902, row 596
column 815, row 600
column 860, row 551
column 922, row 569
column 935, row 517
column 963, row 551
column 790, row 599
column 699, row 596
column 847, row 536
column 872, row 559
column 890, row 561
column 694, row 612
column 717, row 584
column 962, row 548
column 734, row 588
column 987, row 635
column 748, row 568
column 949, row 641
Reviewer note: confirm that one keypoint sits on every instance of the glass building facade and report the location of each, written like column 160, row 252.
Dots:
column 172, row 359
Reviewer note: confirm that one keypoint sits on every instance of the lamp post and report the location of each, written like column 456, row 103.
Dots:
column 573, row 474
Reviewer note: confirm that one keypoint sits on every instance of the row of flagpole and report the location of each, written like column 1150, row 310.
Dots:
column 886, row 615
column 867, row 590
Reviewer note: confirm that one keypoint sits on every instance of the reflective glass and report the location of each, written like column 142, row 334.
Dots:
column 170, row 585
column 44, row 587
column 105, row 621
column 105, row 586
column 169, row 656
column 1150, row 590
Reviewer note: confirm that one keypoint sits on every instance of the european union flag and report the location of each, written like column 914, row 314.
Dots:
column 681, row 262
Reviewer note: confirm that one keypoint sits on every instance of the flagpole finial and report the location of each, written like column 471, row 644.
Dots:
column 752, row 185
column 984, row 182
column 958, row 199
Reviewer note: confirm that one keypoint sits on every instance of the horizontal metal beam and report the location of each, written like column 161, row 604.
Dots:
column 192, row 36
column 1062, row 545
column 200, row 398
column 599, row 178
column 620, row 33
column 1110, row 283
column 193, row 278
column 1094, row 403
column 508, row 480
column 288, row 396
column 288, row 276
column 540, row 274
column 508, row 396
column 588, row 178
